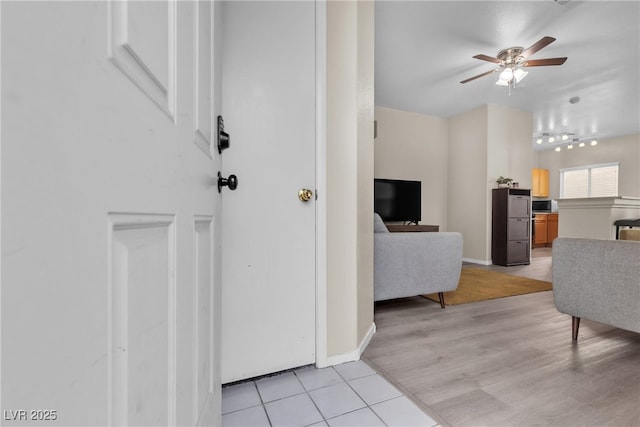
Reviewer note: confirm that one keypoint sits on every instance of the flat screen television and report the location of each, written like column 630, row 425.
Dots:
column 397, row 200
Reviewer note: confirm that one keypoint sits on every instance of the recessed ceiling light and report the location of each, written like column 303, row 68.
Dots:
column 594, row 142
column 565, row 137
column 539, row 141
column 552, row 139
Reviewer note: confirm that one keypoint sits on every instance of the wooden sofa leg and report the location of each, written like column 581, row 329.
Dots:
column 575, row 325
column 441, row 298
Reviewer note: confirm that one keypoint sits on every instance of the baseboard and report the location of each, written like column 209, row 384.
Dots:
column 352, row 356
column 477, row 261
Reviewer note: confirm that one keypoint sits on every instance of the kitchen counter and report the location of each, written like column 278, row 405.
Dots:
column 594, row 217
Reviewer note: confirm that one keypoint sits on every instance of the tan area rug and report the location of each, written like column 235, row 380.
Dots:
column 478, row 285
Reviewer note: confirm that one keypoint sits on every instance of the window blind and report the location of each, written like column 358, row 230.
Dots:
column 589, row 181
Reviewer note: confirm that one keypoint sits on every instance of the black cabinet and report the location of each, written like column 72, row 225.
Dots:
column 511, row 226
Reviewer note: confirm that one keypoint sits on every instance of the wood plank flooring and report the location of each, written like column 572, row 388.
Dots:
column 509, row 361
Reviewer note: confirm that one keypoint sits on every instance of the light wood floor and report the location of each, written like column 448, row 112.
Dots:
column 508, row 362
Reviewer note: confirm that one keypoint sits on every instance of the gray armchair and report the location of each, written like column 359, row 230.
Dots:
column 410, row 264
column 598, row 280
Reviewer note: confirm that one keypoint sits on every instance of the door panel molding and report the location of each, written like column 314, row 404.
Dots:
column 146, row 54
column 141, row 319
column 203, row 326
column 203, row 38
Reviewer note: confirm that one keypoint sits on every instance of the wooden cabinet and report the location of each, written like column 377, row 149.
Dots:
column 546, row 225
column 540, row 182
column 511, row 226
column 552, row 227
column 540, row 235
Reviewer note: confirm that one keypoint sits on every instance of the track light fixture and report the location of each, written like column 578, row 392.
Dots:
column 566, row 139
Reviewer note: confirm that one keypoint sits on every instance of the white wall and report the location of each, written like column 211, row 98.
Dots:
column 509, row 147
column 458, row 160
column 365, row 108
column 468, row 182
column 625, row 149
column 349, row 175
column 414, row 146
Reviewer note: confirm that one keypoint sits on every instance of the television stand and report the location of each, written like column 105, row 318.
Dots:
column 402, row 228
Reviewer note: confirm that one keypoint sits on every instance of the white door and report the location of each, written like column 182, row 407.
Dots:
column 110, row 214
column 269, row 104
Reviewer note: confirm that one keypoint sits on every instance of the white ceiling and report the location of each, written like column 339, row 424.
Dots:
column 423, row 49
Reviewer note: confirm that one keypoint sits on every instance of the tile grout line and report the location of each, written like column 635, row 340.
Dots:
column 311, row 399
column 262, row 403
column 343, row 380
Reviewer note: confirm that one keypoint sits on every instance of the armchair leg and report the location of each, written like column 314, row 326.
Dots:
column 441, row 298
column 575, row 325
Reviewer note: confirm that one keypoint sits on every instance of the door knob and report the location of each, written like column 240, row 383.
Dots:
column 231, row 182
column 305, row 194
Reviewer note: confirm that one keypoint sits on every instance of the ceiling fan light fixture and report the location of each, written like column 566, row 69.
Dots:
column 512, row 60
column 519, row 74
column 506, row 74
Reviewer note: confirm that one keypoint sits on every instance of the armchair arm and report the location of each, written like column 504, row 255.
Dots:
column 598, row 280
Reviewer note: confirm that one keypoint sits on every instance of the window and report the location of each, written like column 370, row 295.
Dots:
column 589, row 181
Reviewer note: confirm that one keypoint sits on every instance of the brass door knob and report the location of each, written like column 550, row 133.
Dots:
column 305, row 194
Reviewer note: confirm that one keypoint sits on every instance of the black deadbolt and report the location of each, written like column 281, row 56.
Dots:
column 231, row 182
column 223, row 138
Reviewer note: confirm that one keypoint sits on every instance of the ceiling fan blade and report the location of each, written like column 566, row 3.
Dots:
column 544, row 62
column 480, row 75
column 487, row 58
column 545, row 41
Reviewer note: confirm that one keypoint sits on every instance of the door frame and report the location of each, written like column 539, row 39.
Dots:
column 1, row 198
column 322, row 356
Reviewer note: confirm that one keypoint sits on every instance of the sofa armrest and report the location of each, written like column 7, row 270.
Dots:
column 409, row 264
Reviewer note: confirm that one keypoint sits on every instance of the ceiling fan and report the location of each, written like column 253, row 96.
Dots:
column 512, row 60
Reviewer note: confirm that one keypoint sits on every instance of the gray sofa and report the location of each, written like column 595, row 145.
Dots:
column 597, row 280
column 409, row 264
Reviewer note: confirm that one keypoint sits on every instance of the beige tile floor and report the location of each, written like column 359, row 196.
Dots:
column 350, row 394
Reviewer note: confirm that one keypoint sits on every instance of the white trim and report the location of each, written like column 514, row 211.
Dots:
column 477, row 261
column 321, row 186
column 353, row 355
